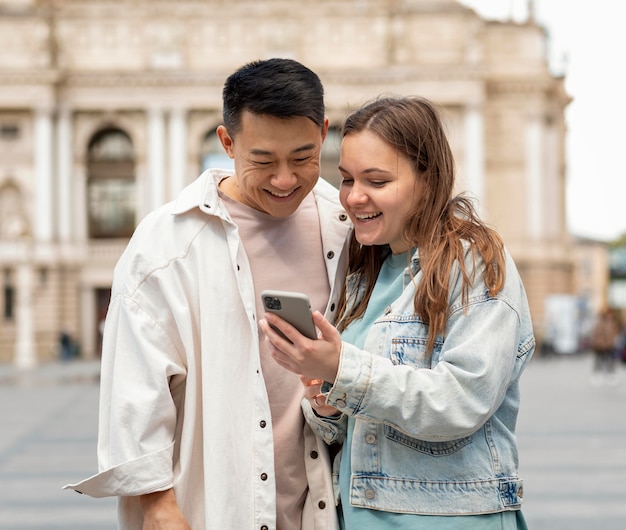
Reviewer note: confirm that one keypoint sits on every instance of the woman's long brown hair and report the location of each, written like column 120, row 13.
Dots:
column 439, row 223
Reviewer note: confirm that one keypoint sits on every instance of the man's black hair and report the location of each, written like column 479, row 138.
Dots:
column 283, row 88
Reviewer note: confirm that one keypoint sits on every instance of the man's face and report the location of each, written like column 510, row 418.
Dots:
column 277, row 161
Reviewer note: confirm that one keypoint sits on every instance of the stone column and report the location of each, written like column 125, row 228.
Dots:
column 554, row 191
column 25, row 355
column 65, row 200
column 534, row 177
column 474, row 153
column 156, row 158
column 43, row 207
column 178, row 151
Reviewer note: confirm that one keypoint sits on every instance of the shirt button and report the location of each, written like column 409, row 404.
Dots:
column 313, row 455
column 263, row 476
column 370, row 494
column 341, row 402
column 342, row 216
column 321, row 505
column 263, row 424
column 330, row 255
column 370, row 438
column 265, row 527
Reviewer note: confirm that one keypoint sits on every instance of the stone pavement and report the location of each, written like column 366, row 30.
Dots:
column 572, row 437
column 47, row 438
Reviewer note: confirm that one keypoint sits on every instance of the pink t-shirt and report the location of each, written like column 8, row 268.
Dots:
column 285, row 254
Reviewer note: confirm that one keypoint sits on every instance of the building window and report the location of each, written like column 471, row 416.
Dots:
column 212, row 154
column 111, row 192
column 13, row 224
column 9, row 296
column 9, row 131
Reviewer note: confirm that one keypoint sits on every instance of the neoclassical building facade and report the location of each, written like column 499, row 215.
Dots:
column 108, row 108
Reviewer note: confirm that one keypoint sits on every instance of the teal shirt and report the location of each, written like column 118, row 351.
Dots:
column 387, row 289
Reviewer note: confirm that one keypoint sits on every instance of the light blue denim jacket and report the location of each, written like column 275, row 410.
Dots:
column 435, row 435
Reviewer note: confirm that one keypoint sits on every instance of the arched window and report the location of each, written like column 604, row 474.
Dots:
column 212, row 154
column 13, row 223
column 331, row 151
column 111, row 185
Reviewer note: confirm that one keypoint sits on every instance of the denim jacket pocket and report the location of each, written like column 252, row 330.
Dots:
column 430, row 448
column 410, row 351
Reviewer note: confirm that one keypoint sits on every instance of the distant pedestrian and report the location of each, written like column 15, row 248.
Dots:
column 604, row 338
column 65, row 346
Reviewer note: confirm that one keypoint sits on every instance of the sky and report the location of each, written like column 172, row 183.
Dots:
column 586, row 43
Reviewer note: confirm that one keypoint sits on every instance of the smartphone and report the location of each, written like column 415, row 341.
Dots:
column 295, row 308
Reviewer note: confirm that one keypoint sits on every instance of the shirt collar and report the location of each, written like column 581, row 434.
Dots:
column 202, row 193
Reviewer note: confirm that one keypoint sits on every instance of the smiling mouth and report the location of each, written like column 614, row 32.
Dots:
column 367, row 216
column 280, row 195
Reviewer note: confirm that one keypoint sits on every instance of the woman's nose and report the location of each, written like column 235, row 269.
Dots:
column 356, row 196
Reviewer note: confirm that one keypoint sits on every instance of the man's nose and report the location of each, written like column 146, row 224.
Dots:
column 284, row 177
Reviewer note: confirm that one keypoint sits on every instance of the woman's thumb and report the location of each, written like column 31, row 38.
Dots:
column 327, row 329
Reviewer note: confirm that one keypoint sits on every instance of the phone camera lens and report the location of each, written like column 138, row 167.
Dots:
column 272, row 302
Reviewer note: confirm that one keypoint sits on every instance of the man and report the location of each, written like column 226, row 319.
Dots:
column 199, row 427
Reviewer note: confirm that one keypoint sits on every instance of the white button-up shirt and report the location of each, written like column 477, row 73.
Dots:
column 183, row 400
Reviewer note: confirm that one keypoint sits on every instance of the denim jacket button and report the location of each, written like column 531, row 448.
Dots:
column 370, row 494
column 341, row 403
column 370, row 438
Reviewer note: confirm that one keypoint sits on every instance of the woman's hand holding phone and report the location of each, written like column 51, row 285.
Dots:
column 312, row 359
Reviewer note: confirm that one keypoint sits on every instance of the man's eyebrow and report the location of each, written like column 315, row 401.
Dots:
column 306, row 147
column 263, row 152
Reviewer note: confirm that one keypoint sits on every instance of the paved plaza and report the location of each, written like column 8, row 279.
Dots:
column 572, row 437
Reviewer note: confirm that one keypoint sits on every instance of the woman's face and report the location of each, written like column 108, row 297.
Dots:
column 379, row 190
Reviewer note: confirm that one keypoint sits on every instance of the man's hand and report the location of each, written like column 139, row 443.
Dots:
column 317, row 400
column 161, row 512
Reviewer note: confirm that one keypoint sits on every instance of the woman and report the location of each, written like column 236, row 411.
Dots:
column 422, row 385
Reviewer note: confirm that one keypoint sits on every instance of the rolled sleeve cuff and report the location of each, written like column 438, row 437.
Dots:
column 146, row 474
column 352, row 381
column 330, row 429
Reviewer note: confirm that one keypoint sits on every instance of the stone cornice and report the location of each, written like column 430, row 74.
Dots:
column 29, row 77
column 523, row 85
column 392, row 75
column 177, row 78
column 147, row 79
